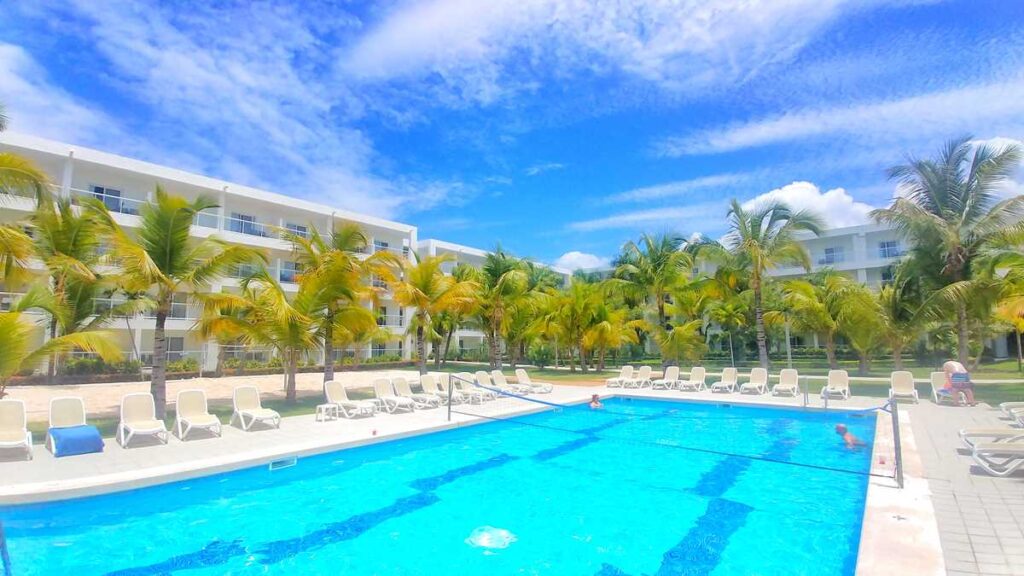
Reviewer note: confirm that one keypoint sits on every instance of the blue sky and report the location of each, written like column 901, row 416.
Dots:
column 559, row 128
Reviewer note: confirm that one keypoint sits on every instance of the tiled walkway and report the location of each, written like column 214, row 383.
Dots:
column 980, row 518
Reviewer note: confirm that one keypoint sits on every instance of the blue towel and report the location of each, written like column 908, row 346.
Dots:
column 75, row 440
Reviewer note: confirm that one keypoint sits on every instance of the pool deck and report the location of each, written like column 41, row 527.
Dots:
column 949, row 518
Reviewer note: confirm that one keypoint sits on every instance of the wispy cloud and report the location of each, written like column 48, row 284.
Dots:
column 992, row 108
column 542, row 168
column 683, row 187
column 676, row 217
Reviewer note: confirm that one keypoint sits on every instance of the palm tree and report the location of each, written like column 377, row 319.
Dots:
column 450, row 320
column 730, row 315
column 611, row 329
column 860, row 321
column 949, row 205
column 576, row 311
column 334, row 260
column 765, row 237
column 424, row 286
column 503, row 283
column 163, row 259
column 816, row 305
column 17, row 337
column 360, row 335
column 653, row 268
column 19, row 175
column 900, row 316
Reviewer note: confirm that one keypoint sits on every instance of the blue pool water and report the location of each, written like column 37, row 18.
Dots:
column 641, row 488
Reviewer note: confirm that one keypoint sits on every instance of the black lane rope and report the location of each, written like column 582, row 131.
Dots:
column 688, row 448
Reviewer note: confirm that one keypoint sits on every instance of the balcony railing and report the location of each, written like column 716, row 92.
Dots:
column 391, row 320
column 179, row 310
column 119, row 204
column 173, row 356
column 403, row 251
column 828, row 260
column 8, row 300
column 377, row 352
column 242, row 352
column 207, row 220
column 248, row 227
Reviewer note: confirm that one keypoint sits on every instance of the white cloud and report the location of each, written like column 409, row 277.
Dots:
column 682, row 187
column 35, row 105
column 835, row 207
column 676, row 218
column 475, row 50
column 576, row 260
column 542, row 168
column 989, row 107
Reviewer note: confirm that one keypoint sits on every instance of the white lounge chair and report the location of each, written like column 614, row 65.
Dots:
column 247, row 406
column 641, row 379
column 475, row 394
column 940, row 393
column 14, row 427
column 191, row 411
column 789, row 383
column 728, row 381
column 999, row 458
column 974, row 436
column 138, row 417
column 68, row 433
column 902, row 386
column 758, row 383
column 420, row 401
column 838, row 385
column 502, row 383
column 625, row 375
column 696, row 380
column 1006, row 407
column 386, row 397
column 428, row 382
column 447, row 382
column 668, row 381
column 537, row 387
column 336, row 394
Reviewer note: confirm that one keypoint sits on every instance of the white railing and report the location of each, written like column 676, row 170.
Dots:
column 173, row 356
column 207, row 220
column 403, row 251
column 248, row 227
column 102, row 305
column 119, row 204
column 391, row 320
column 827, row 260
column 179, row 310
column 9, row 299
column 243, row 352
column 378, row 352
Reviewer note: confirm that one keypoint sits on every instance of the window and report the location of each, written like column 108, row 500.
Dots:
column 244, row 270
column 175, row 347
column 382, row 316
column 889, row 249
column 179, row 306
column 289, row 270
column 297, row 229
column 380, row 245
column 244, row 224
column 111, row 198
column 379, row 282
column 888, row 274
column 832, row 256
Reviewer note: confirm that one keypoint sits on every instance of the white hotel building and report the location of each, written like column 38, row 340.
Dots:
column 250, row 216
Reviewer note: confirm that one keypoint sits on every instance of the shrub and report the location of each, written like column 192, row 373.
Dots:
column 540, row 355
column 183, row 365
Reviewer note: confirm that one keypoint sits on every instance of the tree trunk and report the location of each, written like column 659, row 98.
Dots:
column 897, row 357
column 962, row 340
column 583, row 357
column 291, row 366
column 600, row 360
column 495, row 351
column 158, row 380
column 1020, row 353
column 51, row 368
column 329, row 346
column 447, row 346
column 830, row 351
column 732, row 355
column 762, row 339
column 862, row 365
column 981, row 350
column 221, row 353
column 421, row 347
column 555, row 341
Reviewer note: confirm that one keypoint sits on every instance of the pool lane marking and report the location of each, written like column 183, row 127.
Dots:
column 5, row 557
column 213, row 554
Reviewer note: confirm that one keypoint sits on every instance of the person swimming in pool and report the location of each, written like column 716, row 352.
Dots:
column 848, row 437
column 595, row 402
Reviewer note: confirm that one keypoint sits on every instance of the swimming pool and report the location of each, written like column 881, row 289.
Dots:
column 641, row 488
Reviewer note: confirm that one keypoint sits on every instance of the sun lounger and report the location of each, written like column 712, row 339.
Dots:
column 696, row 380
column 668, row 381
column 537, row 387
column 475, row 394
column 247, row 406
column 625, row 375
column 999, row 458
column 1006, row 407
column 337, row 395
column 138, row 417
column 14, row 427
column 838, row 385
column 902, row 386
column 68, row 433
column 727, row 383
column 420, row 400
column 974, row 436
column 940, row 393
column 428, row 382
column 758, row 383
column 789, row 383
column 386, row 397
column 192, row 412
column 641, row 379
column 502, row 383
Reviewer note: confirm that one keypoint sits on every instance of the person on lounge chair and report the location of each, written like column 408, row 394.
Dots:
column 848, row 437
column 595, row 402
column 958, row 381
